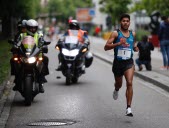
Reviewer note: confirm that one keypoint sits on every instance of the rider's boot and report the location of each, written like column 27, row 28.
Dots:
column 15, row 88
column 83, row 69
column 59, row 67
column 41, row 89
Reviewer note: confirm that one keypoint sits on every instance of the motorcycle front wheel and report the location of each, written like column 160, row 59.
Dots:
column 68, row 80
column 74, row 79
column 28, row 85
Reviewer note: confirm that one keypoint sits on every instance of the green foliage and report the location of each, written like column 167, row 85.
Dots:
column 5, row 56
column 19, row 8
column 13, row 10
column 140, row 33
column 151, row 5
column 114, row 8
column 29, row 8
column 67, row 8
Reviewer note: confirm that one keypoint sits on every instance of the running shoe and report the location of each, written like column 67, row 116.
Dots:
column 115, row 95
column 129, row 112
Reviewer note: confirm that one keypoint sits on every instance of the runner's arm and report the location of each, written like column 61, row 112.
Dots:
column 135, row 48
column 109, row 44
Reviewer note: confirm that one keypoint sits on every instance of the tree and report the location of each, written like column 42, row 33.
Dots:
column 60, row 7
column 114, row 8
column 13, row 10
column 158, row 5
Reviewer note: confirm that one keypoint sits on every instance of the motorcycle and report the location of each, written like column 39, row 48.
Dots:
column 72, row 57
column 28, row 65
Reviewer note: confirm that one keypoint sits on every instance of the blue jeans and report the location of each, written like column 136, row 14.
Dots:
column 164, row 45
column 145, row 62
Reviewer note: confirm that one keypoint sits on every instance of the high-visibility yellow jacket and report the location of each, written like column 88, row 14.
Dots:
column 36, row 38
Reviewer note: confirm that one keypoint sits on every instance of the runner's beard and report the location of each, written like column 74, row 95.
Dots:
column 125, row 27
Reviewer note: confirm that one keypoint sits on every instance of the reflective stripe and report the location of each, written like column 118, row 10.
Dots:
column 36, row 37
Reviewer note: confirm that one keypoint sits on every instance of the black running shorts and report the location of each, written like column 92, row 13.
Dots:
column 120, row 66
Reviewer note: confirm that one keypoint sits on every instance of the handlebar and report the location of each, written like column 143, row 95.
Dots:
column 47, row 42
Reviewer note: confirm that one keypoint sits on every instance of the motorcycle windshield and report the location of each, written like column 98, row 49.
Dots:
column 71, row 42
column 28, row 43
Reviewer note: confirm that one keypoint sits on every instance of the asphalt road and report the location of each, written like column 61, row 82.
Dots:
column 89, row 103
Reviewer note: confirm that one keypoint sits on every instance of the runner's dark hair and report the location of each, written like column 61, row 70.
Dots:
column 125, row 15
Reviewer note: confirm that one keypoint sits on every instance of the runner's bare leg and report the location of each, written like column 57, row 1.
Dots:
column 129, row 83
column 118, row 83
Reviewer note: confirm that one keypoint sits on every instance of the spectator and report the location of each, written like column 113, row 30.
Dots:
column 145, row 48
column 97, row 31
column 51, row 31
column 164, row 42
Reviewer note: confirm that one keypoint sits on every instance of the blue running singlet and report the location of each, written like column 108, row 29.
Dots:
column 122, row 52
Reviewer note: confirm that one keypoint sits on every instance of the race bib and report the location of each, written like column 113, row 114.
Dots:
column 124, row 53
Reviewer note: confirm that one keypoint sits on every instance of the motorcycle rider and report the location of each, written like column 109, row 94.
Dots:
column 21, row 28
column 31, row 30
column 74, row 25
column 74, row 30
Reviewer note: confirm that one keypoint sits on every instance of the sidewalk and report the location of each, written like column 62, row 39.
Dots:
column 157, row 76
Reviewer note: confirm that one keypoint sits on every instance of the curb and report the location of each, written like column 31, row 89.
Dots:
column 4, row 84
column 153, row 81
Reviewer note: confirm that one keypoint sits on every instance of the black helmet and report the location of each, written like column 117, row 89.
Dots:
column 73, row 24
column 24, row 23
column 21, row 24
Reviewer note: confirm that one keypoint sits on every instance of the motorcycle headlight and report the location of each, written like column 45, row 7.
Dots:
column 31, row 60
column 15, row 58
column 57, row 48
column 84, row 50
column 70, row 53
column 40, row 58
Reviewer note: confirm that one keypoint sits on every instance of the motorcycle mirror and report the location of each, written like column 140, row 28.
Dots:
column 47, row 42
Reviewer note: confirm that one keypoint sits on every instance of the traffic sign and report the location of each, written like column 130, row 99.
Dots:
column 92, row 12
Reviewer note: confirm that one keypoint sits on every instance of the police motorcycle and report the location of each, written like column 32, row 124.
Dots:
column 72, row 55
column 28, row 64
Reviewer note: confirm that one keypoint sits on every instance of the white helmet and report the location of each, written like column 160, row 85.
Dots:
column 31, row 26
